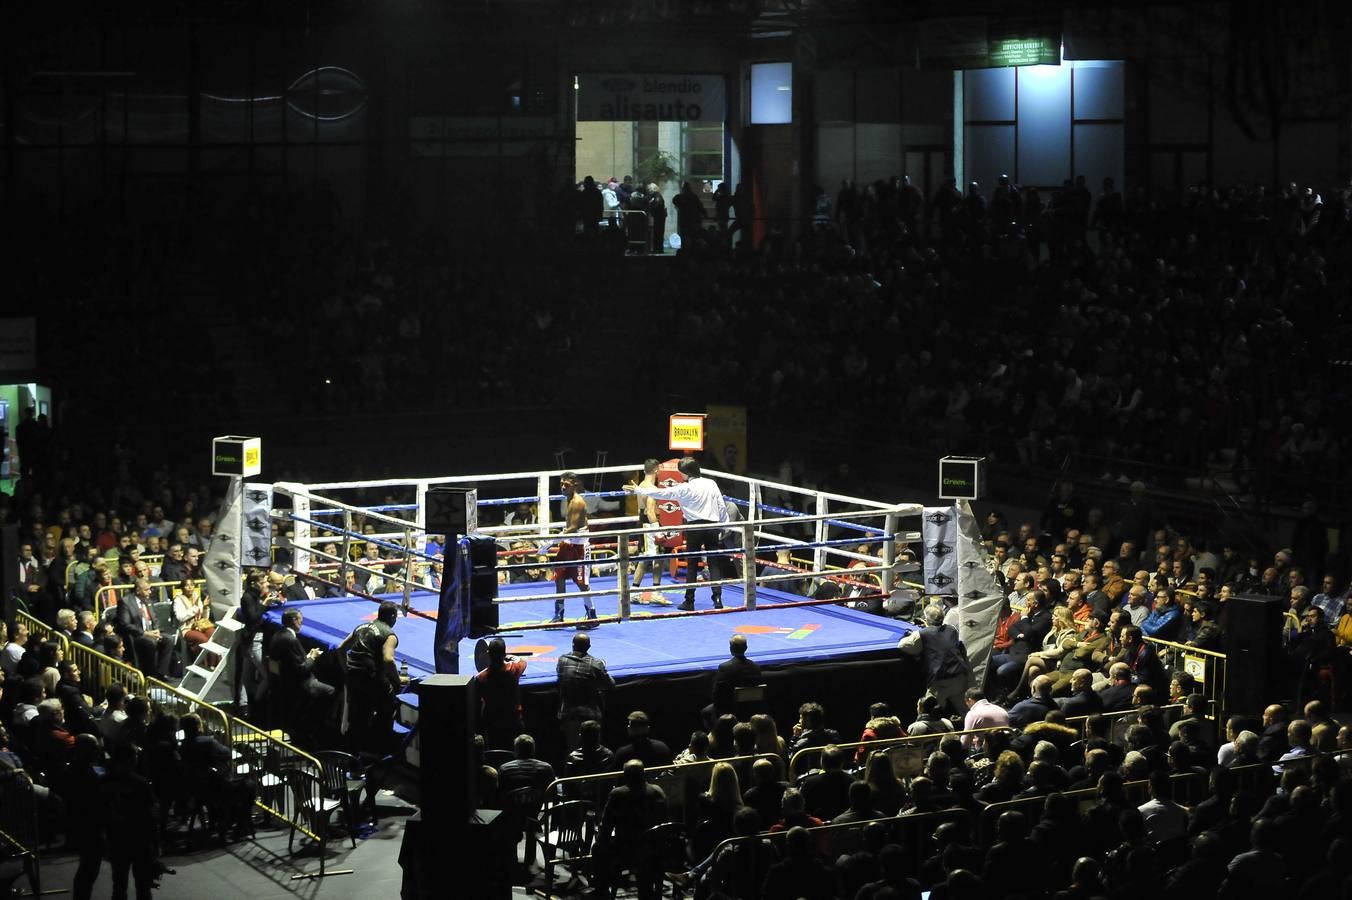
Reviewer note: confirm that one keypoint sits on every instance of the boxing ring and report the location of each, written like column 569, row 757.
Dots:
column 849, row 551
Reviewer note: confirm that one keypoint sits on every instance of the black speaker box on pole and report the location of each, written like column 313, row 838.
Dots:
column 9, row 569
column 452, row 511
column 1255, row 670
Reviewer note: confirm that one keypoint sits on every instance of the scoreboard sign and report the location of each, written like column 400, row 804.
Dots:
column 686, row 432
column 235, row 455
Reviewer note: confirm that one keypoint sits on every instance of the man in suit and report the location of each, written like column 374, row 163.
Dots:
column 151, row 651
column 302, row 697
column 65, row 623
column 734, row 672
column 85, row 633
column 79, row 717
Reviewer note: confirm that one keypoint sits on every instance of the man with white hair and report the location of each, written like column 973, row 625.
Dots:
column 942, row 656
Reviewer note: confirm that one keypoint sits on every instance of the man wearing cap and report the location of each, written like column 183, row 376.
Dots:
column 701, row 504
column 943, row 657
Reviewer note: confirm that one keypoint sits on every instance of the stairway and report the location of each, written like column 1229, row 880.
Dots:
column 216, row 684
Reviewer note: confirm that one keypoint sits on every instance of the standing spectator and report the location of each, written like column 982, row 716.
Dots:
column 981, row 713
column 500, row 719
column 583, row 685
column 130, row 823
column 689, row 215
column 942, row 656
column 734, row 672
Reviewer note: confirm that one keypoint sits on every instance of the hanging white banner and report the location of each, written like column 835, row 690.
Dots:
column 939, row 532
column 256, row 548
column 221, row 567
column 978, row 595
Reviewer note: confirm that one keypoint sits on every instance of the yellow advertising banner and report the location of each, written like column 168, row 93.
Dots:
column 726, row 435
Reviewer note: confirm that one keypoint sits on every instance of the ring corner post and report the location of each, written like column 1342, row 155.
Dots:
column 622, row 574
column 749, row 563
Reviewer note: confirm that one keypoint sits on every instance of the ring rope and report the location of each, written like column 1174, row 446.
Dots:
column 649, row 617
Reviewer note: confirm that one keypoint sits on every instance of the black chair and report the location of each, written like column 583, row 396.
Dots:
column 748, row 700
column 343, row 782
column 313, row 811
column 666, row 862
column 522, row 806
column 496, row 758
column 566, row 833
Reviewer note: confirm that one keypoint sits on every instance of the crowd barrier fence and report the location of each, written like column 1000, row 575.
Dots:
column 98, row 672
column 42, row 631
column 1207, row 667
column 267, row 762
column 19, row 827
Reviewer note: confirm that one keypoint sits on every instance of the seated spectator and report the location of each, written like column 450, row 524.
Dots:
column 827, row 790
column 630, row 810
column 1083, row 701
column 810, row 729
column 793, row 812
column 1164, row 819
column 193, row 616
column 591, row 756
column 114, row 713
column 1008, row 779
column 642, row 746
column 801, row 874
column 738, row 868
column 1038, row 704
column 717, row 809
column 928, row 720
column 69, row 690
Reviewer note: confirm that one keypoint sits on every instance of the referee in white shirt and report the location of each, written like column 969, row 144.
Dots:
column 701, row 504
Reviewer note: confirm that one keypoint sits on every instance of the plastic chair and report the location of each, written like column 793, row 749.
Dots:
column 665, row 848
column 313, row 809
column 566, row 833
column 341, row 785
column 522, row 806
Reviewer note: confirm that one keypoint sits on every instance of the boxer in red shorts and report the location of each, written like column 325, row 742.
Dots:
column 572, row 548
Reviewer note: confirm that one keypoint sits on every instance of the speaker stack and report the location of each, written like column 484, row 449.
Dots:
column 1255, row 671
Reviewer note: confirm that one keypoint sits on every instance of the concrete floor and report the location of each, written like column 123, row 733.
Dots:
column 261, row 869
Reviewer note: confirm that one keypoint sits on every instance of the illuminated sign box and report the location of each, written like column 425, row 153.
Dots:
column 686, row 432
column 1033, row 51
column 235, row 455
column 962, row 477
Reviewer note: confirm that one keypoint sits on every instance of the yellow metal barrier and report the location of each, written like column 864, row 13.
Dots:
column 681, row 782
column 1207, row 667
column 806, row 759
column 99, row 672
column 19, row 826
column 102, row 595
column 170, row 699
column 268, row 763
column 42, row 631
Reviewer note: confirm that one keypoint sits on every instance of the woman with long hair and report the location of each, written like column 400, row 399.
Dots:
column 193, row 615
column 889, row 795
column 1060, row 639
column 717, row 808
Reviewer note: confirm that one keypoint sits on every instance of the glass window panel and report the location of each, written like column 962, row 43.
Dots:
column 1044, row 125
column 1098, row 91
column 772, row 93
column 1098, row 154
column 989, row 154
column 988, row 94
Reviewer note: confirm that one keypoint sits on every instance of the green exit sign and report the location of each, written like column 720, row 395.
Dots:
column 1034, row 51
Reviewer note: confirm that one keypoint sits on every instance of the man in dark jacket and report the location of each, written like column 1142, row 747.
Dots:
column 943, row 657
column 734, row 672
column 1082, row 700
column 79, row 717
column 302, row 698
column 1036, row 707
column 630, row 810
column 1116, row 696
column 151, row 650
column 1025, row 636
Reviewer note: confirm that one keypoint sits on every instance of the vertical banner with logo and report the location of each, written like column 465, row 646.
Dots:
column 300, row 533
column 939, row 531
column 256, row 547
column 978, row 595
column 221, row 567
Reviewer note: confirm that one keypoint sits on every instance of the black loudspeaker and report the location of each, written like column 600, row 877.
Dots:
column 1255, row 675
column 451, row 511
column 447, row 705
column 9, row 569
column 483, row 584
